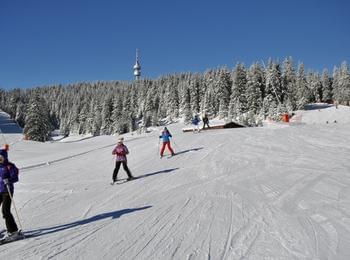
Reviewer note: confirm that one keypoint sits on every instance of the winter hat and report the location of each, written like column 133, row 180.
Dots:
column 120, row 140
column 6, row 147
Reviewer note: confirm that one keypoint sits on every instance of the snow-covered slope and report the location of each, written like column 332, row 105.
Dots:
column 252, row 193
column 325, row 114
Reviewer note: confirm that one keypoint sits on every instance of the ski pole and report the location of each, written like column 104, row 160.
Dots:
column 112, row 159
column 3, row 136
column 175, row 145
column 14, row 205
column 158, row 146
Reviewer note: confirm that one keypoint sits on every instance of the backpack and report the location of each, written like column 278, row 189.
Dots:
column 13, row 172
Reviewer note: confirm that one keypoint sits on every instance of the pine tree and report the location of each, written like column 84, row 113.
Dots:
column 97, row 118
column 195, row 95
column 117, row 114
column 238, row 99
column 149, row 108
column 274, row 87
column 20, row 114
column 172, row 102
column 302, row 91
column 208, row 102
column 314, row 84
column 37, row 125
column 223, row 86
column 107, row 109
column 336, row 86
column 289, row 84
column 326, row 87
column 344, row 84
column 186, row 106
column 82, row 117
column 255, row 85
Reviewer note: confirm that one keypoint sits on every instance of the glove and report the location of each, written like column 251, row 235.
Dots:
column 6, row 181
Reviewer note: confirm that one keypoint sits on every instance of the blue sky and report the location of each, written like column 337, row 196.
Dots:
column 45, row 42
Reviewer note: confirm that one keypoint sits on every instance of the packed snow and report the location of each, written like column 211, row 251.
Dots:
column 281, row 191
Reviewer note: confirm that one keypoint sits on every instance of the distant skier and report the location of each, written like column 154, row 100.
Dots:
column 8, row 176
column 120, row 151
column 166, row 142
column 195, row 122
column 205, row 121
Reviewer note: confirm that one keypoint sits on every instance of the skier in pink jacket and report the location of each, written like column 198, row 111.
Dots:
column 120, row 151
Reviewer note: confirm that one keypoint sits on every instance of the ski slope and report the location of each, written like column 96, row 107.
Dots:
column 281, row 191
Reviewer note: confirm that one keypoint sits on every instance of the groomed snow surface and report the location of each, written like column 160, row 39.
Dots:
column 281, row 191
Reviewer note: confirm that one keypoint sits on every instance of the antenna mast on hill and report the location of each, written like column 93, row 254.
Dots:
column 137, row 66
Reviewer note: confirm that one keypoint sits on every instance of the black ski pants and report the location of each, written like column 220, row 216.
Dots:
column 206, row 123
column 116, row 169
column 5, row 201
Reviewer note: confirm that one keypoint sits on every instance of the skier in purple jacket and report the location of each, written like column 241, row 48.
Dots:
column 120, row 151
column 6, row 181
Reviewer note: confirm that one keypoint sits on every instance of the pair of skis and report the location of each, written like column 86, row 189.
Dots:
column 121, row 181
column 20, row 236
column 167, row 156
column 9, row 239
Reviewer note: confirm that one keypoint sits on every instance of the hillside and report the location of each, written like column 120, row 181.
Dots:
column 281, row 191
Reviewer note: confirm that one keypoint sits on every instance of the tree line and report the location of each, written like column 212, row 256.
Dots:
column 245, row 95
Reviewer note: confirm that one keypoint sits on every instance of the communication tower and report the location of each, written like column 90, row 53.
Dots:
column 137, row 66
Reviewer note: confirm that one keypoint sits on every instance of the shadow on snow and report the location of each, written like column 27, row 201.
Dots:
column 317, row 106
column 155, row 173
column 58, row 228
column 189, row 150
column 8, row 126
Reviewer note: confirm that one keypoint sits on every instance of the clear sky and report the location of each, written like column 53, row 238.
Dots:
column 45, row 42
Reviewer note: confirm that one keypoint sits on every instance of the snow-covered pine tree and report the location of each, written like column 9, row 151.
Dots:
column 37, row 125
column 133, row 107
column 15, row 97
column 107, row 108
column 186, row 106
column 117, row 113
column 335, row 84
column 314, row 84
column 302, row 91
column 224, row 86
column 195, row 95
column 208, row 102
column 326, row 87
column 83, row 115
column 20, row 113
column 149, row 108
column 344, row 84
column 172, row 101
column 238, row 99
column 274, row 83
column 255, row 85
column 289, row 84
column 97, row 118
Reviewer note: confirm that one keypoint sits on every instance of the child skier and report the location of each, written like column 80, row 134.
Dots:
column 120, row 151
column 7, row 178
column 195, row 122
column 166, row 142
